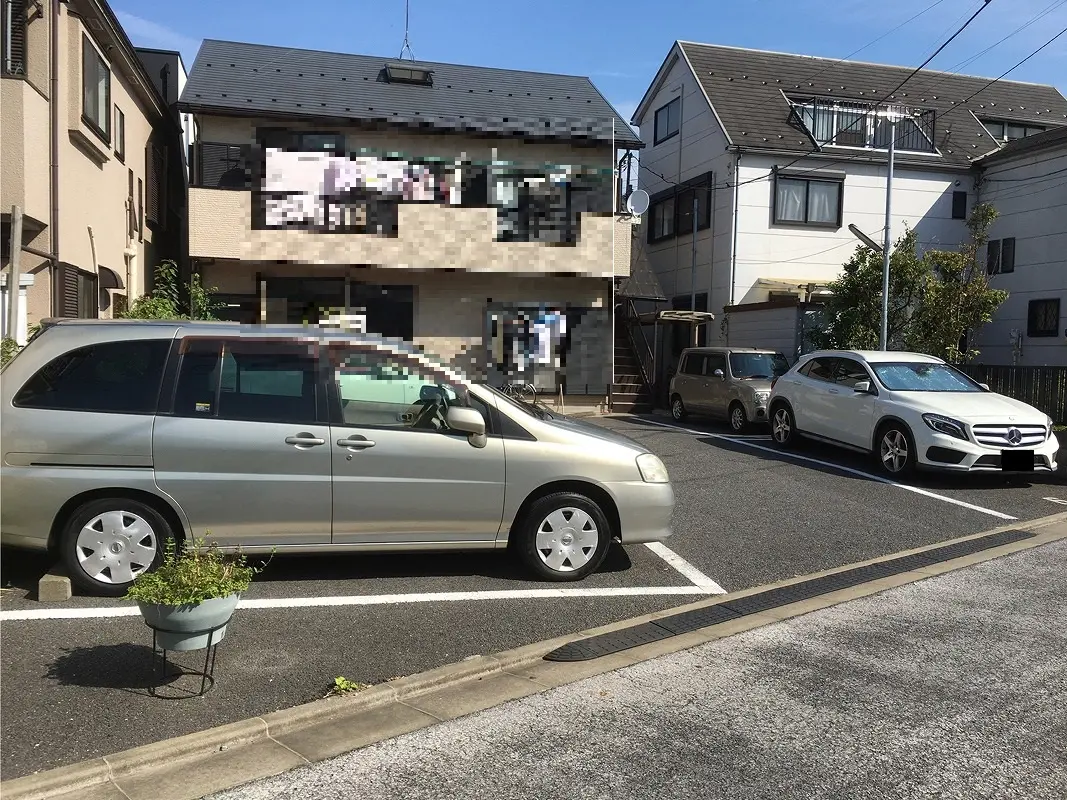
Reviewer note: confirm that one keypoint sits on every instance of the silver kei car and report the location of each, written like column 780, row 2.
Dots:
column 120, row 435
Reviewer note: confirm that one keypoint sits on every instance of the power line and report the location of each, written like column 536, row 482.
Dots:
column 1013, row 68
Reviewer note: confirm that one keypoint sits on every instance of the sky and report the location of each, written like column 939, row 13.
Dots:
column 621, row 44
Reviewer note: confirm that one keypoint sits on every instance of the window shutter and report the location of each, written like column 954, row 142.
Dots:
column 992, row 259
column 66, row 288
column 1007, row 255
column 14, row 13
column 156, row 190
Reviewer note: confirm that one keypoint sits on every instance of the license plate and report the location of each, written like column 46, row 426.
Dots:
column 1017, row 460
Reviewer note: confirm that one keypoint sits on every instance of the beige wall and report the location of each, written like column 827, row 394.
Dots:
column 93, row 182
column 430, row 237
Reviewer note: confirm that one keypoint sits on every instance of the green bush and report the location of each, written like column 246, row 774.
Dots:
column 199, row 572
column 9, row 348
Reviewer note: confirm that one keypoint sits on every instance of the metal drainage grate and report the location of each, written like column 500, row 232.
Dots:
column 688, row 621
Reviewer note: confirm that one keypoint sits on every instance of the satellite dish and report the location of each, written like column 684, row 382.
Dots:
column 637, row 202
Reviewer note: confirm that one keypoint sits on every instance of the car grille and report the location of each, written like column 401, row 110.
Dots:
column 1008, row 435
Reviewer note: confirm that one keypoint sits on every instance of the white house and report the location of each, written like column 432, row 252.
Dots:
column 784, row 152
column 1027, row 253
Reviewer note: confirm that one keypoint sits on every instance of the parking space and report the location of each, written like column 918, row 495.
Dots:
column 746, row 515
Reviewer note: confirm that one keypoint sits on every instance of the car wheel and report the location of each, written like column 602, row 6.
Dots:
column 783, row 426
column 896, row 450
column 107, row 543
column 678, row 409
column 738, row 418
column 563, row 537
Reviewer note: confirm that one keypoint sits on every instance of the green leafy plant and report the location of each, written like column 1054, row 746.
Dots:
column 342, row 685
column 197, row 573
column 171, row 300
column 9, row 348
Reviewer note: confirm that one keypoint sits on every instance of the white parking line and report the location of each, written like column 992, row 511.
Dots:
column 372, row 600
column 1055, row 500
column 838, row 467
column 688, row 570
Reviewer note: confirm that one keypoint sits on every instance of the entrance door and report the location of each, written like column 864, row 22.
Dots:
column 400, row 474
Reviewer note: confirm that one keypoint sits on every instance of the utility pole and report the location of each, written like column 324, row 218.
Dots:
column 891, row 115
column 13, row 275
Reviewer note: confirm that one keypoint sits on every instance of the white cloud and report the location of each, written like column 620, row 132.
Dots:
column 145, row 33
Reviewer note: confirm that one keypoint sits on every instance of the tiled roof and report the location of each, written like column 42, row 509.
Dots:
column 259, row 79
column 746, row 87
column 1056, row 136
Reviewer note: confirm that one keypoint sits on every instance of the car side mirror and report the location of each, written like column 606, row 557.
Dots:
column 719, row 374
column 985, row 387
column 430, row 393
column 468, row 421
column 862, row 387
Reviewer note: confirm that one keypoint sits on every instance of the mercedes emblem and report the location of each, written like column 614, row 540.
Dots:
column 1015, row 436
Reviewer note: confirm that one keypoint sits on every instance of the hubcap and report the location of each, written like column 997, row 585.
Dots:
column 116, row 547
column 737, row 419
column 781, row 427
column 676, row 409
column 894, row 451
column 567, row 539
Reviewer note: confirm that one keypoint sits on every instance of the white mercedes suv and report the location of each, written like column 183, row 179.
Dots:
column 911, row 411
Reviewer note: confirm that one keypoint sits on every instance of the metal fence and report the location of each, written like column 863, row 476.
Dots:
column 1042, row 387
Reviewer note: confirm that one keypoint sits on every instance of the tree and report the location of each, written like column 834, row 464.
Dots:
column 167, row 301
column 852, row 315
column 957, row 297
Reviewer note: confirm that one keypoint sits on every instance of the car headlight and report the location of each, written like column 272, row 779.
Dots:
column 652, row 469
column 1049, row 423
column 946, row 425
column 762, row 397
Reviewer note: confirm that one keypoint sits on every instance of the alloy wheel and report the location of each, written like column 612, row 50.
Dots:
column 781, row 426
column 567, row 539
column 738, row 419
column 677, row 409
column 894, row 450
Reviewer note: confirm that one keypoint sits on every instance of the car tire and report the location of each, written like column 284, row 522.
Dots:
column 562, row 537
column 783, row 426
column 105, row 543
column 678, row 409
column 894, row 447
column 738, row 417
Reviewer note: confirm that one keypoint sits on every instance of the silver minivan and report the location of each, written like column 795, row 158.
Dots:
column 731, row 383
column 120, row 435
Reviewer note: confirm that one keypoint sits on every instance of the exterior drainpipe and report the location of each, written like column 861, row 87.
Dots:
column 733, row 248
column 53, row 110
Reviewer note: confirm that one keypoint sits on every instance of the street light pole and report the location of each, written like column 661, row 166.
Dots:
column 891, row 116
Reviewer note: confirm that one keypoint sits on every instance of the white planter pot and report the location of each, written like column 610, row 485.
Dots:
column 187, row 627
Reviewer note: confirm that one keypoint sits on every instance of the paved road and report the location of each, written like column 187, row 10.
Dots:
column 746, row 516
column 955, row 686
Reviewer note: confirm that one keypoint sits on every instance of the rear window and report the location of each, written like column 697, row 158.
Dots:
column 110, row 377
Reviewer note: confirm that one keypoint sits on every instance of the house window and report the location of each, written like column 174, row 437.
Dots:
column 1000, row 256
column 858, row 124
column 404, row 73
column 120, row 134
column 959, row 205
column 661, row 220
column 1043, row 317
column 156, row 184
column 799, row 201
column 684, row 204
column 140, row 210
column 1008, row 131
column 668, row 121
column 131, row 211
column 13, row 27
column 96, row 91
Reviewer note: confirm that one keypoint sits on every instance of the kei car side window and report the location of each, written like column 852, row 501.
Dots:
column 694, row 364
column 716, row 361
column 111, row 377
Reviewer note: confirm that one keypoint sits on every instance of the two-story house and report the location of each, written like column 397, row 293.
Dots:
column 89, row 151
column 1026, row 180
column 467, row 209
column 783, row 153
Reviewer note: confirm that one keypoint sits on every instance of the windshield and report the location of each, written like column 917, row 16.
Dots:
column 924, row 378
column 758, row 365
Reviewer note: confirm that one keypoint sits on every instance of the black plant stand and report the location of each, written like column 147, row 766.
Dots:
column 207, row 675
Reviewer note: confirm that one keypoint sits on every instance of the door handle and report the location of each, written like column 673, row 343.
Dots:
column 359, row 444
column 834, row 391
column 304, row 440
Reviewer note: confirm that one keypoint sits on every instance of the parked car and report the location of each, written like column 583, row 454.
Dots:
column 120, row 435
column 731, row 383
column 911, row 411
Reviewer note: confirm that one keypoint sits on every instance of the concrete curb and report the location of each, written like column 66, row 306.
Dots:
column 233, row 754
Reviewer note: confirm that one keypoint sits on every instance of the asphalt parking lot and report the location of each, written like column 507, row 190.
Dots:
column 76, row 674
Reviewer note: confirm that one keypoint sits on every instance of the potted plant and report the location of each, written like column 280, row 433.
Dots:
column 189, row 599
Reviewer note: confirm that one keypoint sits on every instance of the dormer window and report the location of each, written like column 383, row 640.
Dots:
column 406, row 73
column 1007, row 131
column 833, row 123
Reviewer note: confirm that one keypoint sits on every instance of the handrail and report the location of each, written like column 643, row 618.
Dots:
column 645, row 353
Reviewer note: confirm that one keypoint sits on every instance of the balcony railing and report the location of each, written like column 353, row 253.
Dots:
column 852, row 124
column 362, row 194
